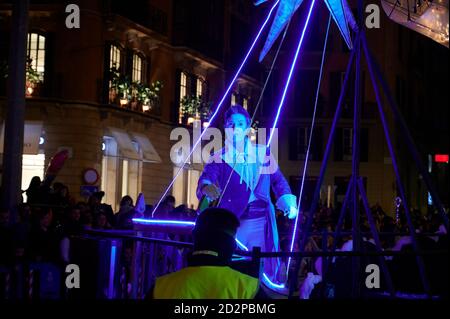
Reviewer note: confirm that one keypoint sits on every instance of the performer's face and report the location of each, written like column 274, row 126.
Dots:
column 236, row 126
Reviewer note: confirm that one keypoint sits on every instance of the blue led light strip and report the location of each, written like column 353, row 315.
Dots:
column 175, row 222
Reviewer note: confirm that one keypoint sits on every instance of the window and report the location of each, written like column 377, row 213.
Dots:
column 336, row 83
column 190, row 86
column 185, row 187
column 114, row 57
column 241, row 99
column 302, row 142
column 32, row 165
column 131, row 175
column 245, row 103
column 137, row 70
column 36, row 52
column 347, row 143
column 300, row 102
column 298, row 143
column 192, row 180
column 343, row 148
column 199, row 87
column 109, row 170
column 120, row 176
column 233, row 99
column 182, row 93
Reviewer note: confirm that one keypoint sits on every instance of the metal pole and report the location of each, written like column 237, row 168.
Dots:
column 15, row 112
column 376, row 237
column 406, row 134
column 395, row 166
column 355, row 172
column 341, row 220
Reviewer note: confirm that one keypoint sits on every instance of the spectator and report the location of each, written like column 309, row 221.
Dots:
column 96, row 206
column 101, row 222
column 21, row 230
column 73, row 222
column 6, row 239
column 44, row 241
column 61, row 195
column 165, row 208
column 148, row 211
column 209, row 275
column 125, row 214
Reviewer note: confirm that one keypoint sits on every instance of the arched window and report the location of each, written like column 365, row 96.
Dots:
column 199, row 88
column 137, row 71
column 36, row 53
column 115, row 56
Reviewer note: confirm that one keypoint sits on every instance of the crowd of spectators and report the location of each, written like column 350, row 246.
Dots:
column 50, row 216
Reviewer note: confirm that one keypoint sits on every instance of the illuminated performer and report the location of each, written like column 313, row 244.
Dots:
column 239, row 178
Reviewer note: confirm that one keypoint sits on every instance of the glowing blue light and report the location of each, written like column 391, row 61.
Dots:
column 162, row 222
column 294, row 61
column 343, row 16
column 272, row 284
column 284, row 14
column 175, row 222
column 241, row 245
column 103, row 146
column 218, row 106
column 41, row 140
column 112, row 270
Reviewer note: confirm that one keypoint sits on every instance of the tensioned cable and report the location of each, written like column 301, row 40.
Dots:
column 313, row 120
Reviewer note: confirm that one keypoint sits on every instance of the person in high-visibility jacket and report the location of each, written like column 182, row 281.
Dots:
column 209, row 275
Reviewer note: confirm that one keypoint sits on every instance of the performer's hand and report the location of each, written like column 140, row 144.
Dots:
column 292, row 212
column 211, row 191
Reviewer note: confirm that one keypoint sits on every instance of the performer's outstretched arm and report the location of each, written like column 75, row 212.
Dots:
column 209, row 176
column 285, row 200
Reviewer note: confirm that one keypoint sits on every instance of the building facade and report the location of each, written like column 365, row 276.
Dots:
column 112, row 91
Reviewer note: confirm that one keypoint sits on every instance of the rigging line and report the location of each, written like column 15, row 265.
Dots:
column 309, row 141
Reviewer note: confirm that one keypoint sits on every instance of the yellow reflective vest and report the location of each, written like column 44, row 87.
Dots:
column 206, row 282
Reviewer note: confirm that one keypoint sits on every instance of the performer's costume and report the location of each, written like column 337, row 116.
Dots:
column 247, row 195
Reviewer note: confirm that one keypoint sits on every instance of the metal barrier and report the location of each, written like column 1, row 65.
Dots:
column 124, row 265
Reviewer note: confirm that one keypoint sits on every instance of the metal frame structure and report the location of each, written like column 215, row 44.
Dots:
column 355, row 189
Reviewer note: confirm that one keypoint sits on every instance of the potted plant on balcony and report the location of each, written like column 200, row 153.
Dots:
column 148, row 96
column 33, row 78
column 120, row 86
column 155, row 91
column 194, row 108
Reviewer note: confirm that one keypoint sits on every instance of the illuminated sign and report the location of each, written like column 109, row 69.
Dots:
column 441, row 158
